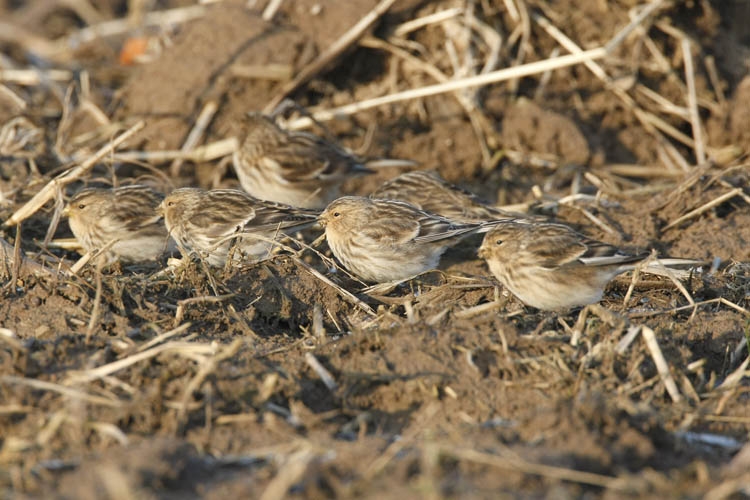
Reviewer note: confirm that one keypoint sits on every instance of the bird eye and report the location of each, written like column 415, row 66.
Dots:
column 81, row 206
column 499, row 242
column 336, row 214
column 170, row 203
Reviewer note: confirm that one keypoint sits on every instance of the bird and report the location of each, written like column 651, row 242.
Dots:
column 295, row 168
column 550, row 266
column 125, row 218
column 428, row 191
column 382, row 241
column 217, row 223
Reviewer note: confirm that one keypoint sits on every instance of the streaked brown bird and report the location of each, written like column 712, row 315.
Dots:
column 429, row 192
column 125, row 217
column 551, row 266
column 383, row 241
column 220, row 222
column 295, row 168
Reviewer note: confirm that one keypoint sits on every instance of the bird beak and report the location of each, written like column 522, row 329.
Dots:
column 66, row 210
column 160, row 209
column 483, row 252
column 322, row 220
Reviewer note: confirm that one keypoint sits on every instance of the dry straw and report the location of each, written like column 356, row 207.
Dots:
column 484, row 79
column 56, row 185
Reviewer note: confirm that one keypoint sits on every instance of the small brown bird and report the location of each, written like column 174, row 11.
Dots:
column 384, row 240
column 211, row 223
column 551, row 266
column 295, row 168
column 126, row 216
column 431, row 193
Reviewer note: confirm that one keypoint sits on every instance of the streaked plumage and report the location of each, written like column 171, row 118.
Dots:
column 210, row 223
column 295, row 168
column 551, row 266
column 383, row 240
column 126, row 215
column 431, row 193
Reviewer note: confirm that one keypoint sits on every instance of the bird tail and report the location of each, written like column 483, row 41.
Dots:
column 389, row 163
column 668, row 262
column 666, row 267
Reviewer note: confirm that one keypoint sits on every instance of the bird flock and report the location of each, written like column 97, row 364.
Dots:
column 292, row 181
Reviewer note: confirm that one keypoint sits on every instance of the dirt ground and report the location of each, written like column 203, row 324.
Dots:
column 267, row 381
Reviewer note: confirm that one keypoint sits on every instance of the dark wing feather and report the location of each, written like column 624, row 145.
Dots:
column 301, row 156
column 222, row 212
column 431, row 193
column 409, row 224
column 393, row 223
column 135, row 207
column 306, row 157
column 604, row 254
column 271, row 216
column 434, row 228
column 555, row 245
column 558, row 245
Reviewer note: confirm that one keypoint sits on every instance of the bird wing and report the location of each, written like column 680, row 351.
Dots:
column 135, row 207
column 428, row 191
column 298, row 156
column 223, row 212
column 556, row 245
column 306, row 157
column 271, row 216
column 400, row 223
column 603, row 254
column 394, row 223
column 434, row 228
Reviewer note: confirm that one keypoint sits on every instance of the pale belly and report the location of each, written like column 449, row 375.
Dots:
column 386, row 264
